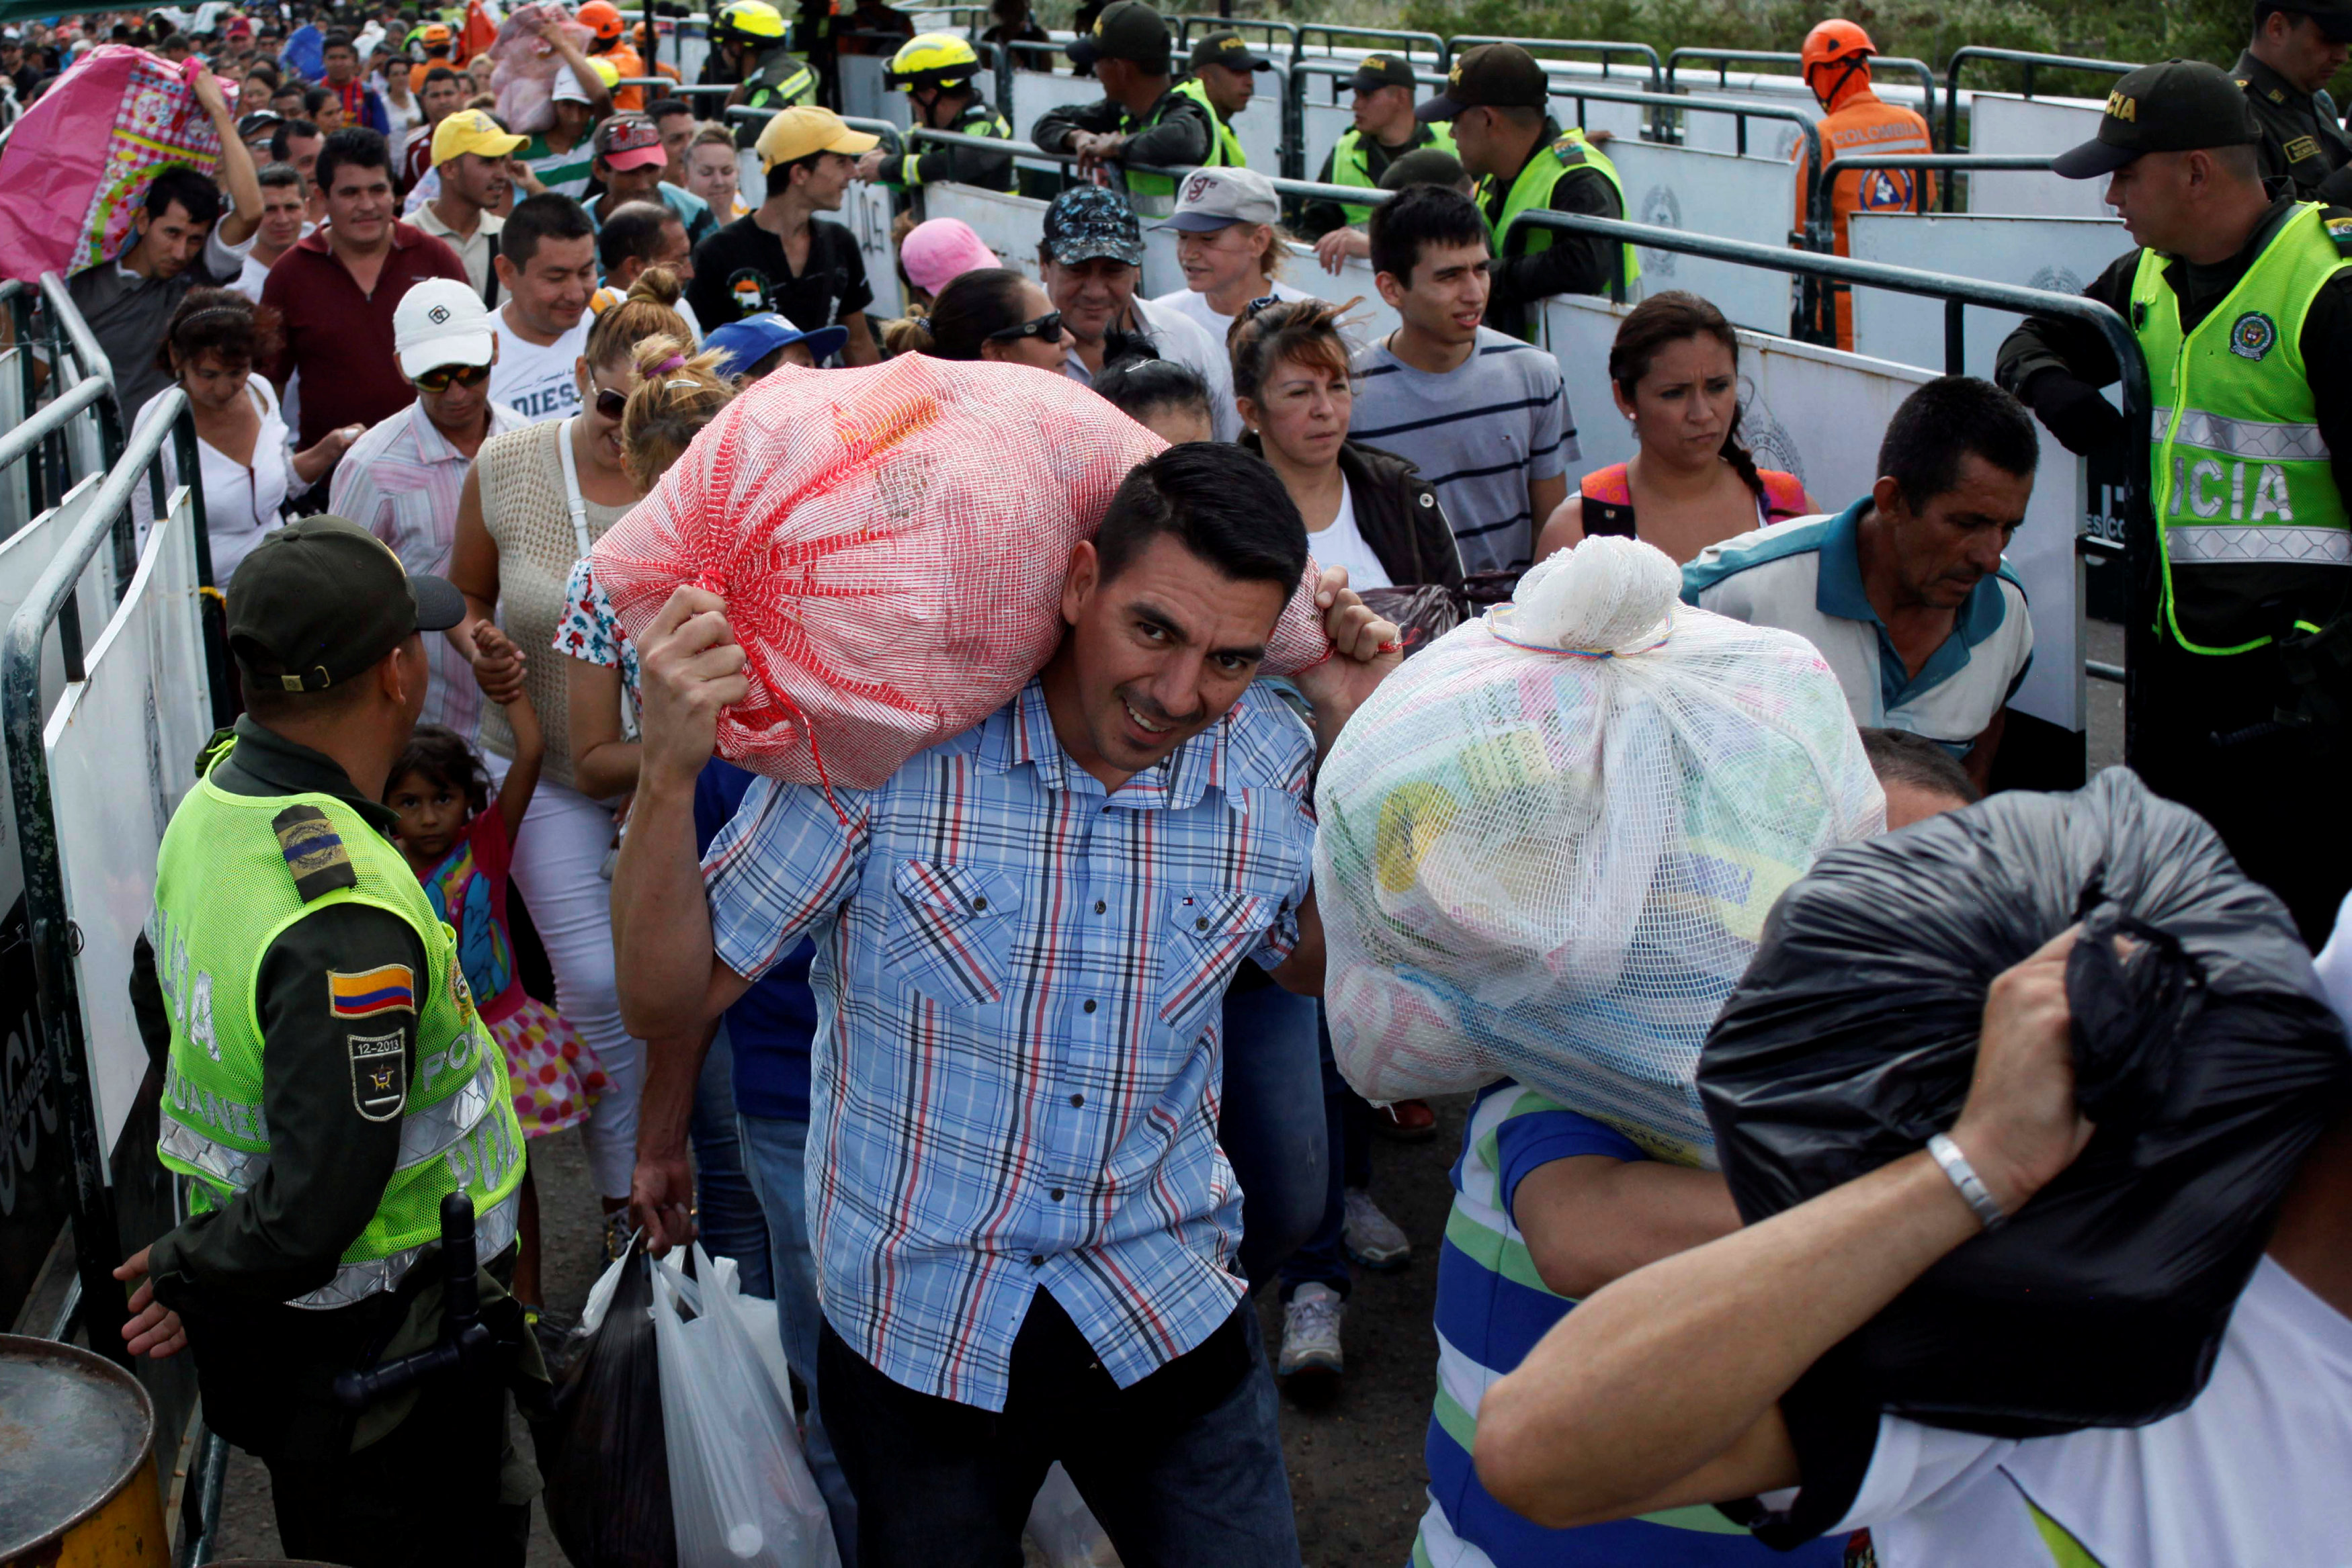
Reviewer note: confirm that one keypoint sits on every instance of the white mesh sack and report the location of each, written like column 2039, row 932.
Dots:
column 1548, row 842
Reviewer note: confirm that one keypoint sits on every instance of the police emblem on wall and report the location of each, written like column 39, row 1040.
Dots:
column 2252, row 335
column 1662, row 207
column 2057, row 280
column 1765, row 437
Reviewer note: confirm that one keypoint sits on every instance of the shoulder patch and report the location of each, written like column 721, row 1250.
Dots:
column 2301, row 148
column 315, row 854
column 386, row 988
column 1568, row 149
column 379, row 1075
column 2339, row 229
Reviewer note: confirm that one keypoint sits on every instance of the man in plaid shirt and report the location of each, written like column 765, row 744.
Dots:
column 1024, row 1226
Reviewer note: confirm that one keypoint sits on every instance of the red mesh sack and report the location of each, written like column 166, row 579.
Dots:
column 891, row 543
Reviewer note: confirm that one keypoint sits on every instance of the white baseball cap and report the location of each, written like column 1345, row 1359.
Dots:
column 1212, row 199
column 441, row 321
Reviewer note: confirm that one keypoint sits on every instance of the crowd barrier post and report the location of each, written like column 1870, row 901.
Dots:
column 1723, row 59
column 1547, row 49
column 2139, row 546
column 1820, row 227
column 2026, row 57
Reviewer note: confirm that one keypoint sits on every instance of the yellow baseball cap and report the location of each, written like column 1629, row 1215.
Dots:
column 797, row 132
column 472, row 131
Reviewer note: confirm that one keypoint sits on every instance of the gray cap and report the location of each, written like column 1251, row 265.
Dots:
column 1214, row 198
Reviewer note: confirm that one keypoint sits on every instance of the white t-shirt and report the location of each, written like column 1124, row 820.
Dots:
column 538, row 382
column 1343, row 544
column 241, row 503
column 1208, row 318
column 2254, row 1472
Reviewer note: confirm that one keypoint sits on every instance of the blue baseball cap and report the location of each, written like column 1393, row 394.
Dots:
column 745, row 343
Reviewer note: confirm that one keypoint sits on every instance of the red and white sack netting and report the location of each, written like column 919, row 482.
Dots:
column 891, row 543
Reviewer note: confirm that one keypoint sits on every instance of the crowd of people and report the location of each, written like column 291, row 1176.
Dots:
column 995, row 1243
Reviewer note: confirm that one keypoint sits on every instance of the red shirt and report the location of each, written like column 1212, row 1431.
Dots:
column 339, row 339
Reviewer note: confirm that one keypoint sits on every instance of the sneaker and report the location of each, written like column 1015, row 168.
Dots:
column 1405, row 1121
column 1371, row 1237
column 1311, row 1336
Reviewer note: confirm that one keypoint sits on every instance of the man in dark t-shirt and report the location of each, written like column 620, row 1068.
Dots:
column 781, row 257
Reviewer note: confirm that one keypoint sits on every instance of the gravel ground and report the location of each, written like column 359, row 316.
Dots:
column 1355, row 1464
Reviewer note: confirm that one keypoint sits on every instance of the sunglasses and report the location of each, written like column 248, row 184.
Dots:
column 439, row 377
column 610, row 404
column 1048, row 327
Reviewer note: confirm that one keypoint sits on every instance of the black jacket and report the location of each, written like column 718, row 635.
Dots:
column 1400, row 517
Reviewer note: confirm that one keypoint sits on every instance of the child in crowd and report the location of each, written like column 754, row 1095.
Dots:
column 459, row 847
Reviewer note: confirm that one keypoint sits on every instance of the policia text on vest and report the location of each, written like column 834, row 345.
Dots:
column 2250, row 362
column 328, row 1082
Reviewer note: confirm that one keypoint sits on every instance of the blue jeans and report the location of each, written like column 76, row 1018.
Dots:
column 778, row 1159
column 1271, row 1127
column 727, row 1211
column 1181, row 1468
column 1322, row 1258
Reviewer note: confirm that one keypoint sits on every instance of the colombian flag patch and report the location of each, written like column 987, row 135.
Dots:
column 388, row 989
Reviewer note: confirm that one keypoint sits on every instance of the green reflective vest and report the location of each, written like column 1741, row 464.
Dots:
column 780, row 80
column 2246, row 502
column 225, row 890
column 1351, row 162
column 1532, row 190
column 977, row 120
column 1154, row 195
column 1224, row 147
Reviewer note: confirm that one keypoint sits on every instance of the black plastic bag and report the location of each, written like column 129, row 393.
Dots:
column 2203, row 1051
column 603, row 1454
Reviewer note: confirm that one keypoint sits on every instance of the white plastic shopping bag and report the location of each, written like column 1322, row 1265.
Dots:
column 1064, row 1528
column 740, row 1490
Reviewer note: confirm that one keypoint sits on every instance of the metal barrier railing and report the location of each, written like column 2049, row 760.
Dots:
column 82, row 382
column 1725, row 58
column 2031, row 61
column 1608, row 49
column 669, row 88
column 893, row 138
column 1283, row 184
column 1332, row 33
column 1821, row 231
column 1247, row 27
column 2139, row 547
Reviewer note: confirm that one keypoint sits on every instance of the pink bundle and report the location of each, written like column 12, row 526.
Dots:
column 525, row 76
column 891, row 543
column 79, row 161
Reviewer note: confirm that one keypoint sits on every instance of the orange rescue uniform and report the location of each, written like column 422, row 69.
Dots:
column 629, row 63
column 1861, row 125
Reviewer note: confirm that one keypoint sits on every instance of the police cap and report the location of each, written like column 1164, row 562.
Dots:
column 1492, row 76
column 2176, row 106
column 322, row 599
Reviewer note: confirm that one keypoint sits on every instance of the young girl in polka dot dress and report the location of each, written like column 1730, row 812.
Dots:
column 459, row 847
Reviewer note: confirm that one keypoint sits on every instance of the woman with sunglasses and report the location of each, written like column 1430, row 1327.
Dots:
column 401, row 481
column 248, row 472
column 537, row 500
column 989, row 313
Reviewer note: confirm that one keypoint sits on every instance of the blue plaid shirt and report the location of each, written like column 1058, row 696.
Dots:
column 1017, row 1062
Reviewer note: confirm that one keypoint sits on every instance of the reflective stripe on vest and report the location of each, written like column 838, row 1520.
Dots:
column 977, row 120
column 1351, row 162
column 2245, row 495
column 1532, row 191
column 224, row 893
column 1224, row 147
column 494, row 1232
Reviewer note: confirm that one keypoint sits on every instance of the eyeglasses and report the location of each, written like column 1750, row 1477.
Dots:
column 1048, row 327
column 610, row 404
column 438, row 379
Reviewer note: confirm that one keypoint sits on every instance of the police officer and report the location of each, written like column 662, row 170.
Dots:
column 1498, row 102
column 750, row 46
column 1223, row 79
column 936, row 72
column 327, row 1083
column 1385, row 131
column 2284, row 71
column 2243, row 306
column 1140, row 119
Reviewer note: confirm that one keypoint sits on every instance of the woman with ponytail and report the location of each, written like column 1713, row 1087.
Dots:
column 1674, row 372
column 989, row 313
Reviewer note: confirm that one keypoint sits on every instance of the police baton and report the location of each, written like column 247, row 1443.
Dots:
column 466, row 1341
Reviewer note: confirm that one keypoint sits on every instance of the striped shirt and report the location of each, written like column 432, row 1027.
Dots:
column 1018, row 1062
column 1492, row 1308
column 1481, row 434
column 400, row 481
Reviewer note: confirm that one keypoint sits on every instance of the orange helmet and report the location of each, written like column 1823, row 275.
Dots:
column 1835, row 42
column 602, row 18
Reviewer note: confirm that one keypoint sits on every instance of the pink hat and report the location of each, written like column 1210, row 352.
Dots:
column 941, row 250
